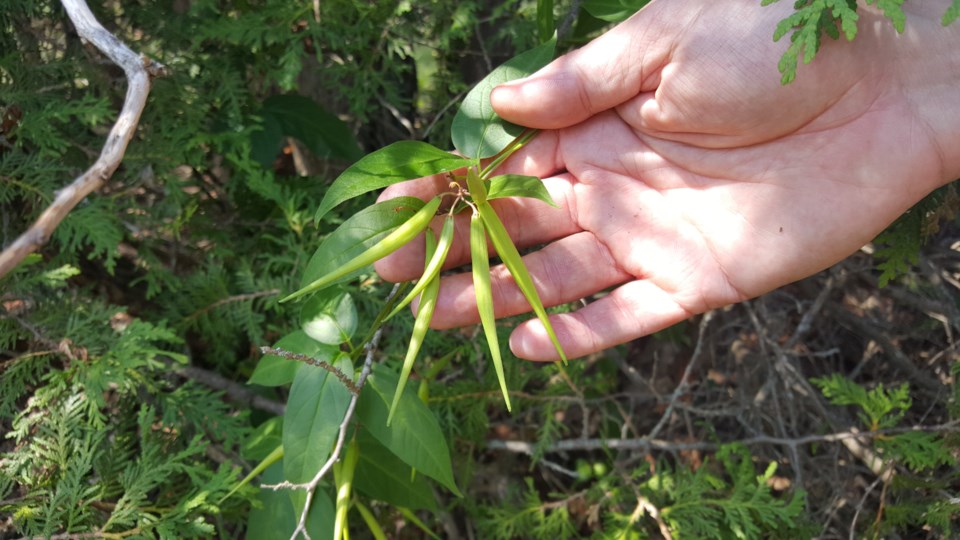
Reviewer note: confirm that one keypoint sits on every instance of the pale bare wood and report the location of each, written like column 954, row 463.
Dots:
column 140, row 72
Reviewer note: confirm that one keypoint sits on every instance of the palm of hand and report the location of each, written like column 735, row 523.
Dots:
column 703, row 188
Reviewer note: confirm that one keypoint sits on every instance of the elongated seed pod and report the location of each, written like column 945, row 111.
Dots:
column 392, row 242
column 480, row 260
column 428, row 302
column 343, row 477
column 432, row 268
column 514, row 263
column 478, row 191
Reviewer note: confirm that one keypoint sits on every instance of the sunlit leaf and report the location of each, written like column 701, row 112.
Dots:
column 515, row 185
column 404, row 160
column 479, row 132
column 329, row 317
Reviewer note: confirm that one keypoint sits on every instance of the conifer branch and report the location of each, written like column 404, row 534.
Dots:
column 140, row 72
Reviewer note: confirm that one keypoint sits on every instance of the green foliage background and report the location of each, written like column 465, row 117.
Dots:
column 178, row 262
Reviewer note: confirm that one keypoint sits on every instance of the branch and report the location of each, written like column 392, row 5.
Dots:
column 343, row 377
column 646, row 443
column 235, row 391
column 311, row 486
column 140, row 72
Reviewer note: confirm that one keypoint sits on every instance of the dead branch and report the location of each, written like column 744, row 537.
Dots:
column 234, row 391
column 649, row 444
column 139, row 72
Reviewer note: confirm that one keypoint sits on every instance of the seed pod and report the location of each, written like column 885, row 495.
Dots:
column 478, row 191
column 432, row 268
column 480, row 260
column 514, row 263
column 392, row 242
column 343, row 477
column 428, row 301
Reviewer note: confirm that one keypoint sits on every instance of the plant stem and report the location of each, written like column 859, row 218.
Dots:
column 397, row 293
column 517, row 144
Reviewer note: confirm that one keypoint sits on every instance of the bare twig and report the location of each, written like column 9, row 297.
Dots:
column 232, row 299
column 140, row 72
column 684, row 384
column 353, row 388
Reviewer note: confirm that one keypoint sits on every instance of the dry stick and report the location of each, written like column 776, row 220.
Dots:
column 860, row 505
column 645, row 443
column 311, row 486
column 684, row 380
column 140, row 72
column 235, row 391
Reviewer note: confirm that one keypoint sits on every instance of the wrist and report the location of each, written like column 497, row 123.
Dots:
column 928, row 69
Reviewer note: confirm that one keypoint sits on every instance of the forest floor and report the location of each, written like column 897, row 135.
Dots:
column 743, row 374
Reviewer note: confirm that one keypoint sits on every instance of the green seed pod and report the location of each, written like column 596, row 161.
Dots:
column 343, row 476
column 514, row 263
column 432, row 268
column 480, row 260
column 478, row 191
column 392, row 242
column 428, row 301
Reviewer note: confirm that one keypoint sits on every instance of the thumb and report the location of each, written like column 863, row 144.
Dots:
column 605, row 73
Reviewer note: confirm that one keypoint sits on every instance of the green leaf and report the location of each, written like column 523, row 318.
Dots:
column 357, row 234
column 951, row 14
column 329, row 317
column 315, row 409
column 400, row 161
column 275, row 370
column 515, row 185
column 545, row 23
column 414, row 435
column 264, row 439
column 303, row 119
column 274, row 519
column 477, row 131
column 613, row 10
column 383, row 476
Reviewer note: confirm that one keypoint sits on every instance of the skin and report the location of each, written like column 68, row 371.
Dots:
column 689, row 178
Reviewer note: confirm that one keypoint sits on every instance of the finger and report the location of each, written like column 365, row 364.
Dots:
column 528, row 221
column 606, row 72
column 636, row 309
column 556, row 279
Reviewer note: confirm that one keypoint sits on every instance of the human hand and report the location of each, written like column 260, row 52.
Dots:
column 689, row 178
